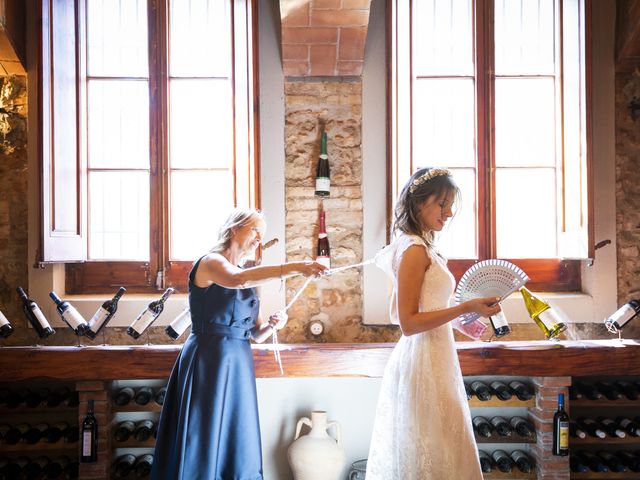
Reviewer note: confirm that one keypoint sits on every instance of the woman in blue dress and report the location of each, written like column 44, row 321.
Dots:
column 209, row 426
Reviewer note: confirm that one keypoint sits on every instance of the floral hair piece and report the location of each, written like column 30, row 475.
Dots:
column 425, row 177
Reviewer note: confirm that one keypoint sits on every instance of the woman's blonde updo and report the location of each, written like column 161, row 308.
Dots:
column 238, row 218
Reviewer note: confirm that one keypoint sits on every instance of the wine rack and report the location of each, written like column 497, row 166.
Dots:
column 581, row 406
column 124, row 452
column 38, row 405
column 506, row 408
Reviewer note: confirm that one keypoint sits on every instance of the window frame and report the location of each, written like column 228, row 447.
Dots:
column 100, row 276
column 547, row 274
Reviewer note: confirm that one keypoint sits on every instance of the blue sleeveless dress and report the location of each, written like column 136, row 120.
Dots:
column 209, row 427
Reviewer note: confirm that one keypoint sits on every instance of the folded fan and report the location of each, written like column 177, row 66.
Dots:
column 488, row 278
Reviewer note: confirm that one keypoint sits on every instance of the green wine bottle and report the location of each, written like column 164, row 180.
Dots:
column 542, row 313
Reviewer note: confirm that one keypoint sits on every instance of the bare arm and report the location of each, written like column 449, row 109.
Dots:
column 413, row 264
column 214, row 268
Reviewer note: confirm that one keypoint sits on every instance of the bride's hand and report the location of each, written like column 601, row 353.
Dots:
column 278, row 320
column 485, row 306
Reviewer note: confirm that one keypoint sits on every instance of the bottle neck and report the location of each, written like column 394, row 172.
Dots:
column 323, row 227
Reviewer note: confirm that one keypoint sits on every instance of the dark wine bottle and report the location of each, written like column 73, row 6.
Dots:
column 502, row 461
column 631, row 461
column 323, row 175
column 143, row 395
column 577, row 464
column 104, row 314
column 4, row 428
column 72, row 434
column 486, row 462
column 12, row 435
column 54, row 469
column 124, row 396
column 611, row 461
column 609, row 390
column 89, row 436
column 481, row 391
column 34, row 433
column 148, row 315
column 468, row 391
column 623, row 315
column 522, row 461
column 523, row 391
column 631, row 427
column 576, row 432
column 501, row 426
column 123, row 465
column 70, row 315
column 522, row 426
column 611, row 427
column 323, row 252
column 72, row 399
column 179, row 324
column 35, row 468
column 160, row 394
column 35, row 316
column 588, row 391
column 575, row 393
column 561, row 429
column 15, row 397
column 628, row 389
column 500, row 390
column 5, row 326
column 13, row 470
column 482, row 427
column 55, row 432
column 142, row 467
column 33, row 398
column 123, row 431
column 500, row 324
column 594, row 462
column 23, row 428
column 591, row 427
column 143, row 430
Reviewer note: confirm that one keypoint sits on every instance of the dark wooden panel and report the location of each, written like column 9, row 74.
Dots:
column 598, row 357
column 627, row 35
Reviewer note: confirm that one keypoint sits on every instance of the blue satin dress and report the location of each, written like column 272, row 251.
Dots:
column 209, row 427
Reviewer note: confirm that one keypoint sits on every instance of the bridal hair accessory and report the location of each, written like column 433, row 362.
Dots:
column 425, row 177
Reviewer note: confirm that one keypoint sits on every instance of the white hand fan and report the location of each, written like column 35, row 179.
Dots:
column 489, row 278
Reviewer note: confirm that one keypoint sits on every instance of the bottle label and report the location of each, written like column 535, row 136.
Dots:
column 3, row 320
column 322, row 260
column 39, row 316
column 622, row 316
column 143, row 321
column 73, row 318
column 87, row 442
column 98, row 319
column 181, row 322
column 549, row 318
column 499, row 320
column 564, row 435
column 323, row 184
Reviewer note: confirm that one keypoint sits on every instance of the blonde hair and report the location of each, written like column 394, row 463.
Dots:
column 238, row 218
column 423, row 184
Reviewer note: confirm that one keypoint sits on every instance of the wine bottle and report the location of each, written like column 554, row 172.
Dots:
column 628, row 389
column 72, row 399
column 124, row 396
column 14, row 469
column 16, row 397
column 179, row 324
column 611, row 461
column 575, row 393
column 500, row 324
column 89, row 436
column 70, row 315
column 588, row 391
column 142, row 467
column 5, row 326
column 12, row 435
column 34, row 433
column 160, row 394
column 576, row 464
column 55, row 432
column 72, row 434
column 56, row 396
column 323, row 252
column 35, row 467
column 143, row 430
column 576, row 432
column 486, row 463
column 609, row 390
column 123, row 465
column 124, row 430
column 104, row 314
column 482, row 426
column 35, row 316
column 502, row 461
column 631, row 427
column 561, row 429
column 323, row 176
column 522, row 461
column 631, row 461
column 501, row 390
column 148, row 315
column 523, row 391
column 501, row 426
column 542, row 313
column 481, row 391
column 4, row 428
column 54, row 469
column 33, row 398
column 623, row 315
column 522, row 426
column 143, row 395
column 594, row 462
column 468, row 391
column 611, row 427
column 591, row 427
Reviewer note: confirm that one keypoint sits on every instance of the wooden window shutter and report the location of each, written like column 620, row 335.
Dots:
column 63, row 165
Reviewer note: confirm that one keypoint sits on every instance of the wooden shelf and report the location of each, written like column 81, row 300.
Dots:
column 133, row 443
column 23, row 409
column 515, row 474
column 629, row 475
column 40, row 447
column 515, row 438
column 513, row 402
column 622, row 402
column 608, row 440
column 150, row 407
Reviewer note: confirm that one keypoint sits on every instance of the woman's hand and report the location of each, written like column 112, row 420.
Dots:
column 310, row 269
column 485, row 306
column 278, row 320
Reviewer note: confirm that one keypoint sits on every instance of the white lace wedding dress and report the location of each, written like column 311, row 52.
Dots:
column 422, row 429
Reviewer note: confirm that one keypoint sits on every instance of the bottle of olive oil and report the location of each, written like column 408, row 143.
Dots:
column 542, row 313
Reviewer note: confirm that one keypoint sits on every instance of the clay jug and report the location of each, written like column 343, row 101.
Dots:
column 316, row 456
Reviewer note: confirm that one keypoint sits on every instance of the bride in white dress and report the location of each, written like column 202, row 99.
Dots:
column 422, row 429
